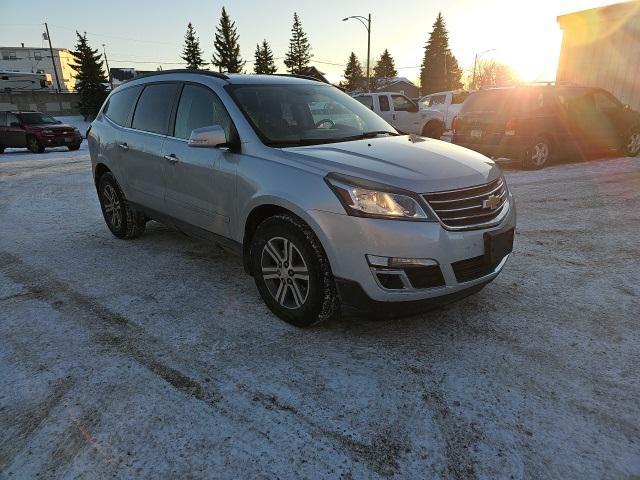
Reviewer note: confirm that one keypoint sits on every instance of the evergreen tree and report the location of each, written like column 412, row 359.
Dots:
column 353, row 75
column 227, row 49
column 440, row 70
column 299, row 54
column 90, row 77
column 192, row 53
column 264, row 63
column 385, row 67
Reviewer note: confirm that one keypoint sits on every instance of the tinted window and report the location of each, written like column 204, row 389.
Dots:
column 486, row 102
column 200, row 107
column 366, row 100
column 11, row 118
column 384, row 103
column 3, row 119
column 154, row 108
column 36, row 118
column 120, row 105
column 605, row 102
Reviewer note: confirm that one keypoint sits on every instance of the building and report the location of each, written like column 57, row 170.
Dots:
column 601, row 48
column 38, row 60
column 121, row 75
column 400, row 85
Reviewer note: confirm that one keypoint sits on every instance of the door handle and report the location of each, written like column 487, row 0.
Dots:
column 124, row 146
column 171, row 158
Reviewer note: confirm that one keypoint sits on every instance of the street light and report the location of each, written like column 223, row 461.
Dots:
column 367, row 25
column 475, row 62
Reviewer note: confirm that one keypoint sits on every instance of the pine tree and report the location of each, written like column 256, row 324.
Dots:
column 264, row 63
column 192, row 53
column 299, row 54
column 90, row 77
column 385, row 67
column 353, row 75
column 440, row 70
column 227, row 49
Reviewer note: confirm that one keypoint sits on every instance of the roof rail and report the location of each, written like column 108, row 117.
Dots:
column 297, row 75
column 208, row 73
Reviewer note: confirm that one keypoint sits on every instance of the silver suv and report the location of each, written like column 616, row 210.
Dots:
column 328, row 207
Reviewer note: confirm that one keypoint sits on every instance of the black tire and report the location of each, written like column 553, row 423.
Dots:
column 34, row 145
column 1, row 149
column 433, row 130
column 122, row 220
column 631, row 146
column 75, row 146
column 301, row 306
column 538, row 154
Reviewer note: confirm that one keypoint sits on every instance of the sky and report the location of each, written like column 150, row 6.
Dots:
column 145, row 34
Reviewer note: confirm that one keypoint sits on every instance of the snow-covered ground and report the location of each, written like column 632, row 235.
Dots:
column 156, row 358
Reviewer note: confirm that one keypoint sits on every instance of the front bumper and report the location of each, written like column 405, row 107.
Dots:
column 348, row 239
column 60, row 140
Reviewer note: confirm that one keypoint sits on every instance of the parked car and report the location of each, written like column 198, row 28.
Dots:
column 448, row 103
column 537, row 124
column 323, row 213
column 36, row 131
column 404, row 114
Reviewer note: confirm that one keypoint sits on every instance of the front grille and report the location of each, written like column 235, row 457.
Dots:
column 425, row 277
column 472, row 268
column 465, row 208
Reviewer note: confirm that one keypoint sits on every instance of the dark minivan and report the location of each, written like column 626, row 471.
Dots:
column 36, row 131
column 536, row 124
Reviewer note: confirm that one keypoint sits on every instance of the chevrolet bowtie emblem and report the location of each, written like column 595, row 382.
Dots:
column 491, row 202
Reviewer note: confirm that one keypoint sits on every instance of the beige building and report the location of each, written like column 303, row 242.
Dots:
column 38, row 60
column 601, row 48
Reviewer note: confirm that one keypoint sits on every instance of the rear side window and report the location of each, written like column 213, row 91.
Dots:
column 366, row 100
column 486, row 102
column 154, row 108
column 384, row 103
column 120, row 105
column 200, row 107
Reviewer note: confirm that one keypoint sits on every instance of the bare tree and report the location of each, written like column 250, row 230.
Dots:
column 489, row 73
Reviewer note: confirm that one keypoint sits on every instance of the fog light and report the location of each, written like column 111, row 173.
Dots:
column 399, row 262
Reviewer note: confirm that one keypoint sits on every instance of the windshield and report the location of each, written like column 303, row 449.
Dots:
column 290, row 115
column 37, row 119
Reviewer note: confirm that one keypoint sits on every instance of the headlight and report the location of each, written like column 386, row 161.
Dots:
column 364, row 199
column 47, row 132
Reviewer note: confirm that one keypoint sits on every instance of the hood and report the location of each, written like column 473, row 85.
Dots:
column 56, row 127
column 425, row 165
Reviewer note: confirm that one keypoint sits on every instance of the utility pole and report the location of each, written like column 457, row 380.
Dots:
column 53, row 58
column 106, row 61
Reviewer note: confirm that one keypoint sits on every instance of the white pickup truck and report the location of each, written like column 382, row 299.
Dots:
column 404, row 114
column 448, row 103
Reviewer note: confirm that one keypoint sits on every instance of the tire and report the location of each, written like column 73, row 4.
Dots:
column 433, row 130
column 34, row 145
column 122, row 220
column 284, row 250
column 1, row 149
column 631, row 147
column 75, row 146
column 538, row 154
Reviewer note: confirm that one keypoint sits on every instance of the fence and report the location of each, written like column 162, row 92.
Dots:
column 48, row 102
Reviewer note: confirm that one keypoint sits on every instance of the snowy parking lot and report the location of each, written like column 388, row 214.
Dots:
column 156, row 357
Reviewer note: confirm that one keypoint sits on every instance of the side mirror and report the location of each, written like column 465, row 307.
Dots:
column 208, row 137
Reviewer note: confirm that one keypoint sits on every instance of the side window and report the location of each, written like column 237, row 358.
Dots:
column 11, row 118
column 200, row 107
column 436, row 100
column 121, row 104
column 3, row 119
column 384, row 103
column 366, row 100
column 400, row 103
column 154, row 108
column 604, row 102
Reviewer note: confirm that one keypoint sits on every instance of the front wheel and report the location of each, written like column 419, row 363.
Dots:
column 292, row 272
column 632, row 143
column 75, row 146
column 537, row 156
column 33, row 144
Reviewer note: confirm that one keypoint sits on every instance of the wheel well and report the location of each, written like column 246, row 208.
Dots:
column 257, row 216
column 101, row 169
column 432, row 123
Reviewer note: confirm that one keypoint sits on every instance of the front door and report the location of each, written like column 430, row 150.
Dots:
column 405, row 115
column 14, row 132
column 200, row 184
column 384, row 105
column 142, row 163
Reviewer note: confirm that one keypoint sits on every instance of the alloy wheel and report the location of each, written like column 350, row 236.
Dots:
column 540, row 154
column 285, row 272
column 111, row 203
column 634, row 143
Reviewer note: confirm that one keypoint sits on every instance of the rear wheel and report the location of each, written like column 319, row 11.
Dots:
column 538, row 154
column 632, row 143
column 433, row 130
column 292, row 272
column 122, row 220
column 33, row 144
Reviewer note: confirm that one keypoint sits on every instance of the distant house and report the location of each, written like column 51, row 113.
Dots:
column 398, row 85
column 121, row 75
column 315, row 73
column 601, row 48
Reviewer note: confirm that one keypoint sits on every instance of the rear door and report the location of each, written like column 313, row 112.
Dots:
column 200, row 182
column 142, row 156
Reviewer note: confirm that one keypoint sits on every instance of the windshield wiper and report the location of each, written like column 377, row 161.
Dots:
column 375, row 133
